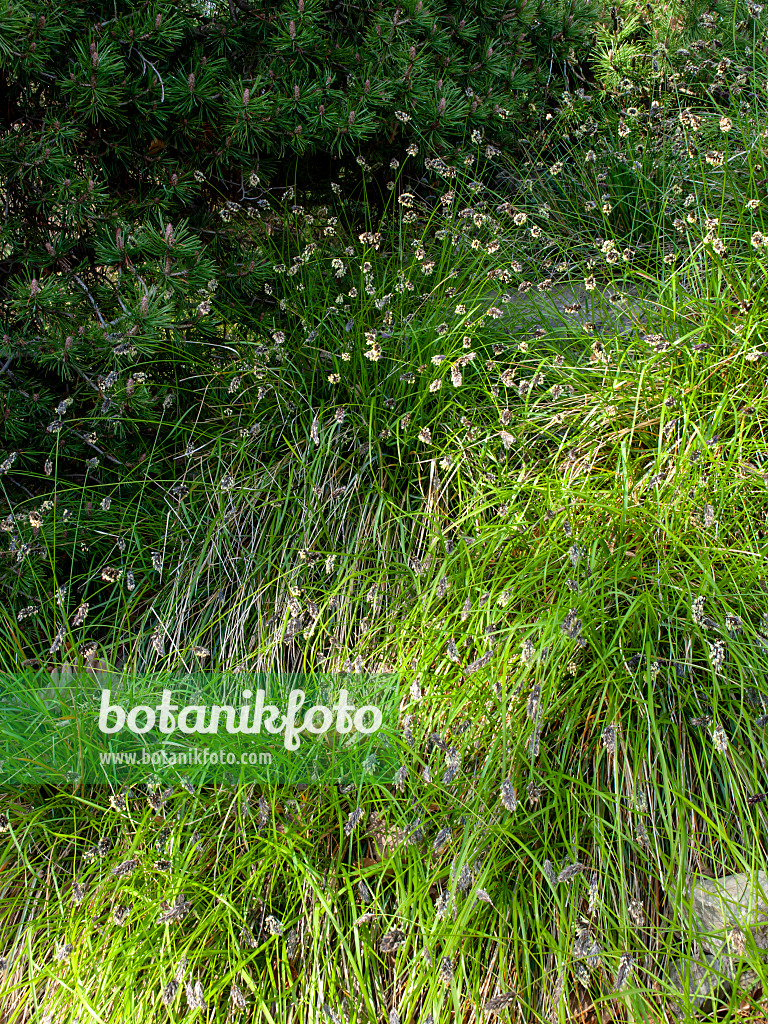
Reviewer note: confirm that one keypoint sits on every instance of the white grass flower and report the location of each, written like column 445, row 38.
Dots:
column 273, row 924
column 717, row 656
column 196, row 996
column 626, row 966
column 353, row 821
column 508, row 796
column 442, row 838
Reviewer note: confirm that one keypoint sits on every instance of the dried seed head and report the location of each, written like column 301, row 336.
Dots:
column 483, row 896
column 609, row 738
column 464, row 881
column 273, row 924
column 532, row 709
column 441, row 839
column 571, row 624
column 720, row 738
column 179, row 910
column 103, row 846
column 570, row 872
column 717, row 652
column 441, row 904
column 501, row 1002
column 292, row 944
column 635, row 911
column 169, row 992
column 236, row 998
column 737, row 942
column 64, row 950
column 592, row 894
column 626, row 965
column 120, row 913
column 533, row 741
column 446, row 970
column 353, row 821
column 509, row 796
column 126, row 868
column 81, row 613
column 392, row 940
column 527, row 652
column 196, row 996
column 478, row 664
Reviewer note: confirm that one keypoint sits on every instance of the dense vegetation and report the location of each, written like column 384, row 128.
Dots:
column 273, row 398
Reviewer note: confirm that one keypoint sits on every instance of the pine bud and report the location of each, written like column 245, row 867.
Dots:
column 292, row 30
column 246, row 97
column 191, row 81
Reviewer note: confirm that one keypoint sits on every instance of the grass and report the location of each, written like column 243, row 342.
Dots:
column 527, row 545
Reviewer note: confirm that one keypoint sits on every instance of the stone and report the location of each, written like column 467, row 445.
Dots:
column 702, row 977
column 730, row 928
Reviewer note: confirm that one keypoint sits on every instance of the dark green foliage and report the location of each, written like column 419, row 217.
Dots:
column 144, row 148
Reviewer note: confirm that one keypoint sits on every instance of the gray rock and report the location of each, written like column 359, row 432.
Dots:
column 702, row 976
column 730, row 928
column 734, row 901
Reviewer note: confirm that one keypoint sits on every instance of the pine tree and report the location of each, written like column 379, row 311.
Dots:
column 143, row 145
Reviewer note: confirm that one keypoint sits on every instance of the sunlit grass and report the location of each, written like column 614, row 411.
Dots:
column 526, row 544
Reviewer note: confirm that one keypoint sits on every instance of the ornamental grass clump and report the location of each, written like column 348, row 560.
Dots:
column 495, row 430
